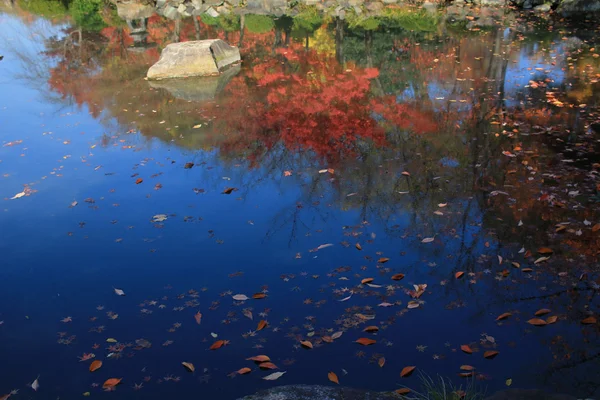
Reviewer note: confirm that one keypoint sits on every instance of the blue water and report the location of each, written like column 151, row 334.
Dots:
column 63, row 261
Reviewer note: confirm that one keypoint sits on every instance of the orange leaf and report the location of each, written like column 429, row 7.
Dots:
column 259, row 359
column 267, row 365
column 596, row 228
column 366, row 280
column 372, row 328
column 189, row 366
column 467, row 368
column 262, row 325
column 459, row 274
column 307, row 344
column 259, row 296
column 383, row 260
column 333, row 377
column 503, row 316
column 406, row 371
column 527, row 270
column 95, row 365
column 217, row 345
column 381, row 362
column 541, row 312
column 537, row 322
column 466, row 374
column 551, row 319
column 490, row 354
column 466, row 348
column 398, row 277
column 228, row 190
column 138, row 181
column 198, row 317
column 244, row 371
column 589, row 321
column 366, row 341
column 327, row 339
column 112, row 382
column 545, row 250
column 402, row 391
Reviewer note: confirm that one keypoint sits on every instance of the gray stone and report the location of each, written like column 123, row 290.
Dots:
column 527, row 394
column 376, row 6
column 578, row 6
column 171, row 12
column 132, row 11
column 212, row 12
column 305, row 392
column 197, row 89
column 543, row 8
column 196, row 58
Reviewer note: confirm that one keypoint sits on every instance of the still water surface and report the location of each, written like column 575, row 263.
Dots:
column 449, row 151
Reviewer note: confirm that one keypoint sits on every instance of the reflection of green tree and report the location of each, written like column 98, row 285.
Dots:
column 87, row 14
column 259, row 23
column 306, row 22
column 45, row 8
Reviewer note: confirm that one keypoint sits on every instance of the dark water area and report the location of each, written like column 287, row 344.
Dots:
column 463, row 156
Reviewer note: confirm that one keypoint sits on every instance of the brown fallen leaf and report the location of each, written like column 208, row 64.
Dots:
column 306, row 344
column 327, row 339
column 358, row 246
column 333, row 377
column 258, row 296
column 228, row 190
column 188, row 165
column 366, row 341
column 381, row 362
column 267, row 365
column 407, row 371
column 198, row 317
column 537, row 322
column 541, row 312
column 467, row 367
column 466, row 374
column 383, row 260
column 262, row 324
column 545, row 250
column 589, row 321
column 244, row 371
column 397, row 277
column 259, row 359
column 596, row 228
column 189, row 366
column 459, row 274
column 138, row 181
column 490, row 354
column 366, row 280
column 466, row 348
column 371, row 328
column 402, row 391
column 111, row 383
column 95, row 365
column 503, row 316
column 551, row 319
column 217, row 345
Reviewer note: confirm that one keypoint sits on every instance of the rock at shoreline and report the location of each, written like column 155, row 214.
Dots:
column 196, row 58
column 305, row 392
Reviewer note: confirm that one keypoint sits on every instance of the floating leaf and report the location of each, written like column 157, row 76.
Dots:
column 541, row 259
column 111, row 383
column 383, row 260
column 240, row 297
column 397, row 277
column 372, row 328
column 537, row 322
column 596, row 228
column 551, row 319
column 324, row 246
column 459, row 274
column 402, row 391
column 189, row 366
column 258, row 296
column 327, row 339
column 428, row 240
column 333, row 377
column 358, row 246
column 217, row 345
column 228, row 190
column 366, row 280
column 545, row 250
column 541, row 312
column 381, row 362
column 262, row 324
column 138, row 181
column 188, row 165
column 589, row 321
column 198, row 317
column 508, row 382
column 503, row 316
column 119, row 292
column 244, row 371
column 490, row 354
column 337, row 335
column 306, row 344
column 467, row 368
column 95, row 365
column 111, row 340
column 366, row 341
column 259, row 359
column 407, row 371
column 274, row 376
column 466, row 348
column 267, row 365
column 405, row 173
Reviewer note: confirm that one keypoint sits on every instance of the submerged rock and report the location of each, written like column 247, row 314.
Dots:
column 305, row 392
column 196, row 58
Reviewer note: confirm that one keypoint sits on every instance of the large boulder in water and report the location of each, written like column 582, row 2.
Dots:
column 196, row 58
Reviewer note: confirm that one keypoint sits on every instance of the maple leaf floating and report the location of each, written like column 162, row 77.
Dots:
column 407, row 371
column 111, row 384
column 333, row 377
column 274, row 376
column 198, row 317
column 218, row 344
column 366, row 341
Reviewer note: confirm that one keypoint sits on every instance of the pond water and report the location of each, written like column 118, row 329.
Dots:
column 462, row 156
